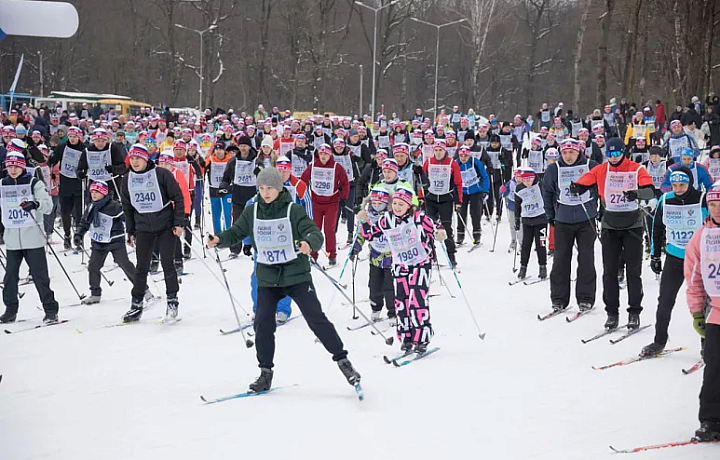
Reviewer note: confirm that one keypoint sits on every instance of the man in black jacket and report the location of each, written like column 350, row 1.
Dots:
column 67, row 155
column 154, row 210
column 239, row 179
column 102, row 160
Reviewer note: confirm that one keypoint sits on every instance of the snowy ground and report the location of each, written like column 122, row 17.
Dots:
column 81, row 391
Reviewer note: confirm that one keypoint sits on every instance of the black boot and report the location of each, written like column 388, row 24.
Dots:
column 135, row 312
column 406, row 347
column 652, row 350
column 543, row 272
column 522, row 274
column 349, row 371
column 263, row 382
column 420, row 348
column 8, row 317
column 633, row 321
column 50, row 318
column 172, row 307
column 67, row 244
column 612, row 322
column 584, row 306
column 708, row 431
column 557, row 306
column 332, row 261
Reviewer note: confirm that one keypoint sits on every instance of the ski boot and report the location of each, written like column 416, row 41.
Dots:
column 281, row 318
column 93, row 299
column 542, row 274
column 406, row 347
column 172, row 307
column 233, row 255
column 376, row 316
column 651, row 350
column 263, row 382
column 522, row 273
column 708, row 431
column 557, row 306
column 148, row 295
column 50, row 318
column 8, row 317
column 187, row 255
column 612, row 322
column 349, row 371
column 332, row 261
column 633, row 321
column 584, row 306
column 460, row 241
column 135, row 312
column 67, row 243
column 420, row 348
column 350, row 239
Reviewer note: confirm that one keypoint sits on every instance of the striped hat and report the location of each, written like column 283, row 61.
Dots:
column 527, row 173
column 17, row 146
column 381, row 153
column 166, row 156
column 405, row 194
column 140, row 151
column 74, row 130
column 100, row 187
column 324, row 148
column 99, row 133
column 338, row 141
column 180, row 144
column 283, row 163
column 379, row 193
column 15, row 159
column 464, row 150
column 570, row 144
column 390, row 163
column 440, row 143
column 713, row 194
column 552, row 154
column 401, row 147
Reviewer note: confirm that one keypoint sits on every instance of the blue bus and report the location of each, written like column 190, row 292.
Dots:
column 17, row 98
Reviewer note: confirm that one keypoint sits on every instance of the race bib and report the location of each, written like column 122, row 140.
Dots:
column 439, row 176
column 657, row 173
column 406, row 245
column 536, row 161
column 346, row 162
column 69, row 164
column 567, row 175
column 11, row 196
column 244, row 173
column 102, row 232
column 144, row 191
column 532, row 202
column 273, row 239
column 710, row 260
column 322, row 181
column 615, row 184
column 97, row 161
column 469, row 177
column 217, row 170
column 681, row 222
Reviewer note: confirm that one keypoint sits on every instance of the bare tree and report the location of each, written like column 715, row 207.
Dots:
column 602, row 64
column 579, row 54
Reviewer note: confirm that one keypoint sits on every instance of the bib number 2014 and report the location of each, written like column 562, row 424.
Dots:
column 15, row 214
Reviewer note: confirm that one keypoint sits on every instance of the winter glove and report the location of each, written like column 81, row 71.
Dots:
column 343, row 204
column 353, row 255
column 109, row 168
column 362, row 216
column 421, row 202
column 458, row 207
column 247, row 250
column 699, row 323
column 222, row 191
column 130, row 240
column 80, row 174
column 257, row 170
column 417, row 169
column 357, row 208
column 551, row 221
column 576, row 189
column 503, row 189
column 656, row 265
column 440, row 234
column 28, row 206
column 78, row 240
column 630, row 195
column 517, row 225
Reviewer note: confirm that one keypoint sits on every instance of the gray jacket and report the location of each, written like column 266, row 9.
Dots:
column 31, row 237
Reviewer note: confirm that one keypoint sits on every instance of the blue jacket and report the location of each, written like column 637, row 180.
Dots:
column 703, row 176
column 509, row 195
column 563, row 213
column 483, row 185
column 657, row 237
column 690, row 143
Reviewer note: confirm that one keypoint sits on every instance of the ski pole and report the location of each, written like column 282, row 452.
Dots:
column 248, row 342
column 515, row 256
column 42, row 231
column 225, row 284
column 587, row 214
column 467, row 303
column 354, row 268
column 110, row 283
column 465, row 226
column 357, row 232
column 336, row 283
column 493, row 227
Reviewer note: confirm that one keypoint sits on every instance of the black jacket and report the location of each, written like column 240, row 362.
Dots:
column 240, row 194
column 171, row 215
column 370, row 176
column 68, row 186
column 116, row 159
column 112, row 209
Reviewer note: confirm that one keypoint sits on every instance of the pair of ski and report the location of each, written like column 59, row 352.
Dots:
column 408, row 357
column 247, row 394
column 629, row 333
column 37, row 326
column 473, row 247
column 569, row 319
column 528, row 281
column 635, row 359
column 249, row 325
column 661, row 446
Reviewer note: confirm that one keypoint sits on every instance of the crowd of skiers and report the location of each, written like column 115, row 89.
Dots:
column 279, row 189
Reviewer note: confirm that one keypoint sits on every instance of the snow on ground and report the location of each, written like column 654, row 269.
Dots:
column 82, row 391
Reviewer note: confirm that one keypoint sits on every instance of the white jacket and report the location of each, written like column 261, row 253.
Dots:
column 31, row 237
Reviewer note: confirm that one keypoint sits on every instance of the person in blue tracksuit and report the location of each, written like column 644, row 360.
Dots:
column 679, row 214
column 220, row 199
column 700, row 174
column 475, row 187
column 284, row 165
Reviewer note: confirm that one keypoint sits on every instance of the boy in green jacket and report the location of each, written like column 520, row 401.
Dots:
column 282, row 235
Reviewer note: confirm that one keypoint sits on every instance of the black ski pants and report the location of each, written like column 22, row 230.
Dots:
column 382, row 289
column 710, row 391
column 538, row 234
column 473, row 202
column 70, row 212
column 97, row 261
column 306, row 299
column 671, row 281
column 494, row 198
column 37, row 262
column 442, row 212
column 144, row 244
column 566, row 237
column 630, row 243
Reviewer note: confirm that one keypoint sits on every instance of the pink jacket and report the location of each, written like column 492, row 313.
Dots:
column 697, row 298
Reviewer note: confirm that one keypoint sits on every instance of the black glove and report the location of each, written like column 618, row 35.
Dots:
column 656, row 265
column 257, row 170
column 28, row 206
column 222, row 191
column 78, row 240
column 247, row 250
column 551, row 221
column 576, row 189
column 517, row 225
column 630, row 195
column 357, row 208
column 109, row 168
column 343, row 203
column 81, row 174
column 418, row 169
column 352, row 256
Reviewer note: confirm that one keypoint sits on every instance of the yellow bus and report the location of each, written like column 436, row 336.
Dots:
column 125, row 107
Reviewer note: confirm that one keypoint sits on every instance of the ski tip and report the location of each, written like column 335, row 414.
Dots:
column 540, row 318
column 482, row 336
column 595, row 368
column 389, row 341
column 202, row 398
column 8, row 331
column 395, row 363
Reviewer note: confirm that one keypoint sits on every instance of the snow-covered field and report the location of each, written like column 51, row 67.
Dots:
column 81, row 391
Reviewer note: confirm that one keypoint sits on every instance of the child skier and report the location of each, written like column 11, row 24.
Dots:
column 22, row 198
column 154, row 210
column 220, row 203
column 530, row 209
column 381, row 278
column 409, row 233
column 105, row 221
column 282, row 271
column 507, row 191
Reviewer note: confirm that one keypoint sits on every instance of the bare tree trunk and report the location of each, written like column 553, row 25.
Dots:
column 709, row 17
column 631, row 53
column 677, row 52
column 266, row 11
column 481, row 13
column 606, row 20
column 578, row 55
column 643, row 36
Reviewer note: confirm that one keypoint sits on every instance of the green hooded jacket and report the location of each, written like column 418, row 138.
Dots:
column 303, row 229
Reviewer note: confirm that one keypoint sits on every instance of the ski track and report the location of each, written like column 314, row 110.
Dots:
column 80, row 391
